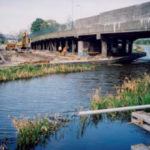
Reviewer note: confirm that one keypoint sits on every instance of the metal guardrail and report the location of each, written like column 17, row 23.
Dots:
column 53, row 29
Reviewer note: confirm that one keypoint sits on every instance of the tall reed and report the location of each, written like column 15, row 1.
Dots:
column 132, row 92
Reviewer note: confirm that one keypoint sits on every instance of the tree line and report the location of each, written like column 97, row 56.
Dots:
column 2, row 38
column 142, row 42
column 40, row 24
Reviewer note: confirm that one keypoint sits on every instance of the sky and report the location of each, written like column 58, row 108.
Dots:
column 17, row 15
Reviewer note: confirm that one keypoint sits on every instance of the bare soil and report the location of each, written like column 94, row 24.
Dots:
column 12, row 58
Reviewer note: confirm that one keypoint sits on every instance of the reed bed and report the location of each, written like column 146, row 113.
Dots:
column 31, row 71
column 132, row 92
column 31, row 132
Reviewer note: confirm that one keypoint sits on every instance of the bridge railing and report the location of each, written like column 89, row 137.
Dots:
column 53, row 29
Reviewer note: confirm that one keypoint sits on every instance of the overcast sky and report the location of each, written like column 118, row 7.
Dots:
column 16, row 15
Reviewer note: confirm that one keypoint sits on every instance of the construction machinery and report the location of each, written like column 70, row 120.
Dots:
column 10, row 46
column 24, row 44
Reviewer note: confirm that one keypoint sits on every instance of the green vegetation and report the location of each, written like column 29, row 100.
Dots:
column 40, row 24
column 31, row 132
column 138, row 49
column 29, row 71
column 2, row 38
column 142, row 42
column 131, row 93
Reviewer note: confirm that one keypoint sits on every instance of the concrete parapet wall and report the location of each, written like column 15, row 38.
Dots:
column 138, row 12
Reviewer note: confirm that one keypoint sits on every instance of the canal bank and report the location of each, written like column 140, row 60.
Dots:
column 31, row 69
column 12, row 58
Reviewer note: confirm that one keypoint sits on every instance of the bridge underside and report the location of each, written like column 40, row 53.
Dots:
column 115, row 44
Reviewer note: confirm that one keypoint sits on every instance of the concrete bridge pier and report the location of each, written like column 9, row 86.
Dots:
column 73, row 46
column 124, row 47
column 40, row 46
column 44, row 46
column 51, row 46
column 130, row 46
column 80, row 47
column 104, row 48
column 66, row 43
column 55, row 46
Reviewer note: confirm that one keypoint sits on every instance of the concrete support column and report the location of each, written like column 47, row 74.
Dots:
column 55, row 46
column 73, row 46
column 60, row 44
column 40, row 46
column 48, row 44
column 104, row 48
column 80, row 47
column 66, row 43
column 50, row 47
column 43, row 46
column 109, row 49
column 124, row 47
column 130, row 47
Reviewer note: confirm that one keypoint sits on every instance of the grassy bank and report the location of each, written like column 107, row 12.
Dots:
column 131, row 93
column 30, row 71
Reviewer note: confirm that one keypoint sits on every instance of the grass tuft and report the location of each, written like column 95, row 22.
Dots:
column 32, row 132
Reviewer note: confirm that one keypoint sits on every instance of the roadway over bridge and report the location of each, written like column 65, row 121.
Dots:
column 111, row 33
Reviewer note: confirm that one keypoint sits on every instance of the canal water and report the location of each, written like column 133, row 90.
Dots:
column 65, row 92
column 147, row 50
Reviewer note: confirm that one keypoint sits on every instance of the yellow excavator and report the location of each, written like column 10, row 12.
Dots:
column 24, row 44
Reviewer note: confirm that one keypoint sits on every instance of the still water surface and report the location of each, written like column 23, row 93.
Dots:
column 63, row 92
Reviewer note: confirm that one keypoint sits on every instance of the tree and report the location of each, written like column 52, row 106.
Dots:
column 36, row 25
column 2, row 38
column 52, row 23
column 44, row 25
column 40, row 24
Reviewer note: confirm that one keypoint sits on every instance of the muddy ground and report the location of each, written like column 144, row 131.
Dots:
column 12, row 58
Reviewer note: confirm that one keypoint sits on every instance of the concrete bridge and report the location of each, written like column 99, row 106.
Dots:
column 111, row 33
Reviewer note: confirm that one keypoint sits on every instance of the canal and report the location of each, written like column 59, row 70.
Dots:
column 65, row 92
